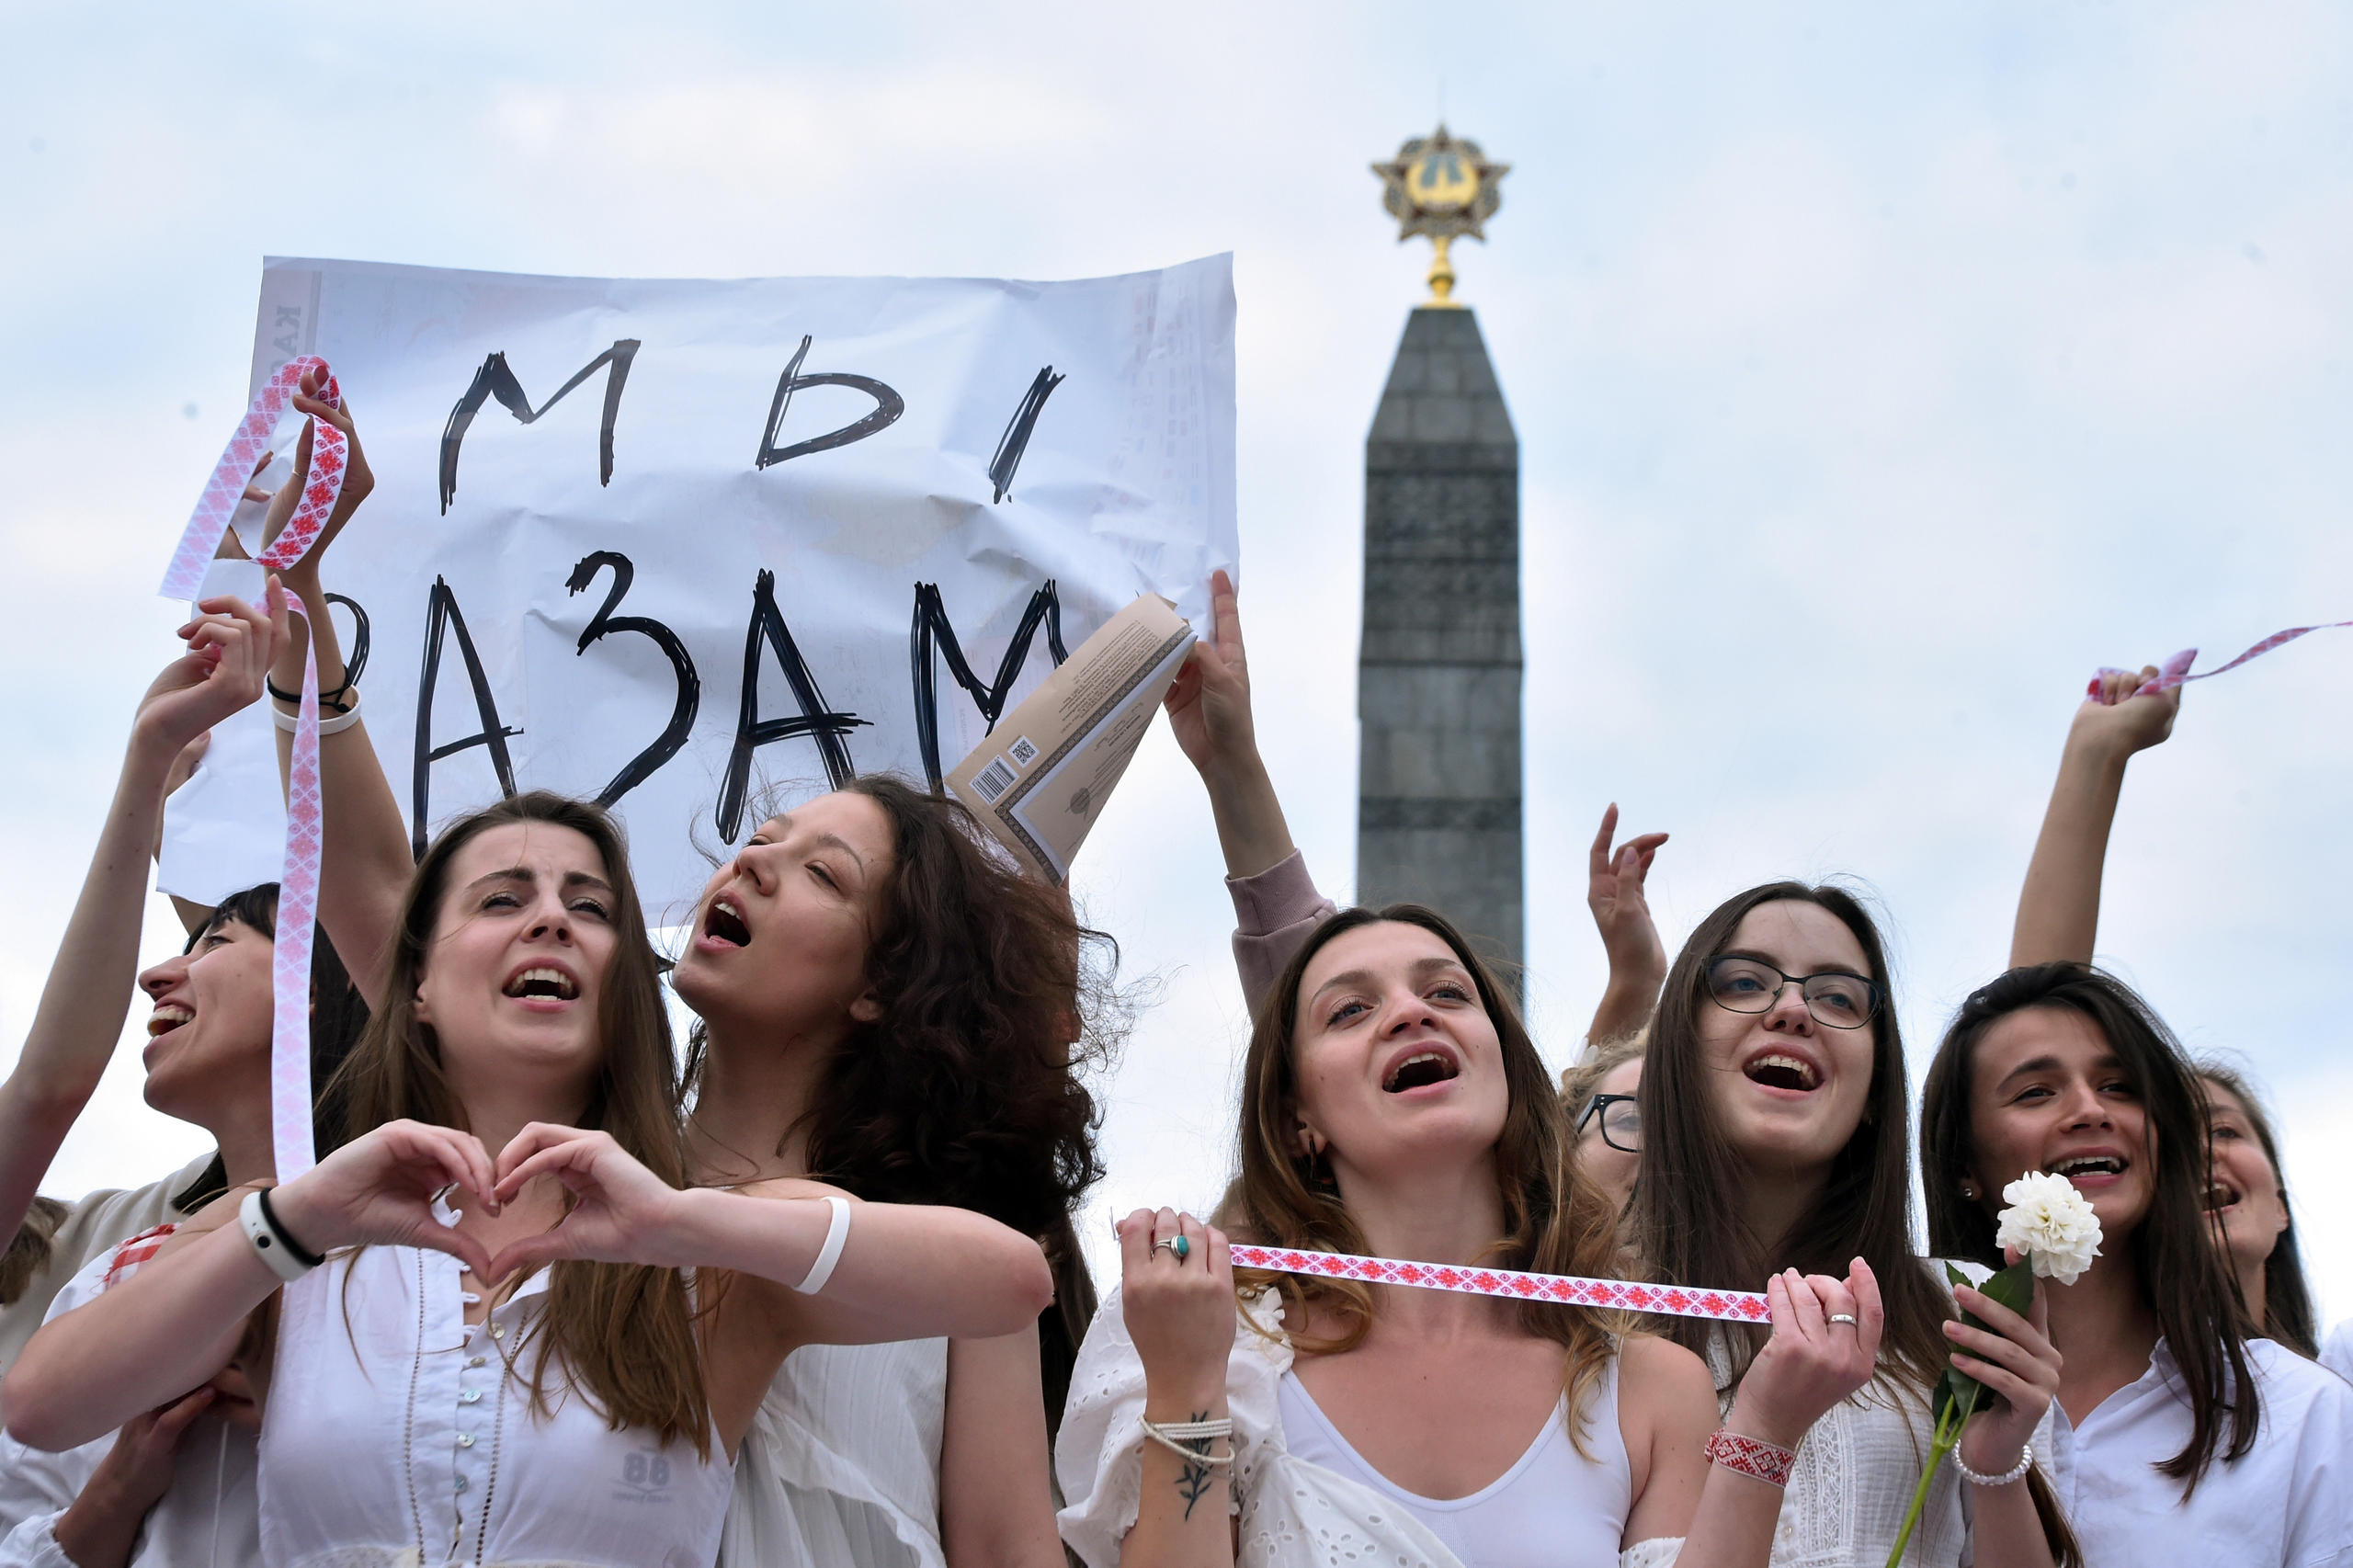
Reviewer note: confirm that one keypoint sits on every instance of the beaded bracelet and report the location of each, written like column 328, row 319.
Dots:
column 1767, row 1462
column 2015, row 1474
column 1177, row 1437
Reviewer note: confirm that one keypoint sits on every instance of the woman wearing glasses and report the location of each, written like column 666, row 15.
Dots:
column 1602, row 1096
column 1774, row 1091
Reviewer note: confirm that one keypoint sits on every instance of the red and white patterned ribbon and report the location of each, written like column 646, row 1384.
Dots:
column 298, row 880
column 1618, row 1295
column 2175, row 670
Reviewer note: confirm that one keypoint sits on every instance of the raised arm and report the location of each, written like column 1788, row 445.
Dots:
column 1274, row 901
column 368, row 861
column 2058, row 907
column 1622, row 915
column 88, row 993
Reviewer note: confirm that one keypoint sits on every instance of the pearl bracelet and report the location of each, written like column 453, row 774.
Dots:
column 1178, row 1437
column 2015, row 1474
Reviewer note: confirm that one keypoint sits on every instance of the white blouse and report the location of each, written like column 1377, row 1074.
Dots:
column 2288, row 1504
column 841, row 1465
column 396, row 1434
column 1291, row 1512
column 2336, row 1354
column 206, row 1520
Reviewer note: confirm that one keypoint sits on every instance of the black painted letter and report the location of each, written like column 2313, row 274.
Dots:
column 494, row 380
column 932, row 630
column 441, row 614
column 1016, row 439
column 682, row 715
column 888, row 406
column 814, row 719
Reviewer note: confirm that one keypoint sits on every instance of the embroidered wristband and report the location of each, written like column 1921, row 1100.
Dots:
column 836, row 1233
column 1769, row 1462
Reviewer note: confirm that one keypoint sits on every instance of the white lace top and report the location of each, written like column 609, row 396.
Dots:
column 1291, row 1513
column 841, row 1466
column 398, row 1436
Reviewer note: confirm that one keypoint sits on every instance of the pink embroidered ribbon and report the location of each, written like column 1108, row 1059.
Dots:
column 2175, row 670
column 1621, row 1295
column 298, row 881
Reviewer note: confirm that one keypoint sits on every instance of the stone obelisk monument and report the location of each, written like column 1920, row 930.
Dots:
column 1439, row 670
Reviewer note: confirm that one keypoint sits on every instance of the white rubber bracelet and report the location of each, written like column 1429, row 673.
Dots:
column 329, row 723
column 836, row 1233
column 272, row 1251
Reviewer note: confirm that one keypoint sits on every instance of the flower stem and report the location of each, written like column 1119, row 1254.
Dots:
column 1947, row 1434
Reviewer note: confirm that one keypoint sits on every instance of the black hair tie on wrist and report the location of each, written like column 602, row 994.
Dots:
column 332, row 700
column 294, row 1249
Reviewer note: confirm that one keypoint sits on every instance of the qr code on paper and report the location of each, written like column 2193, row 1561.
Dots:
column 1022, row 751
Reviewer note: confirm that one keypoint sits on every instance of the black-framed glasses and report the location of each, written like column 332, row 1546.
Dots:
column 1621, row 1121
column 1837, row 1000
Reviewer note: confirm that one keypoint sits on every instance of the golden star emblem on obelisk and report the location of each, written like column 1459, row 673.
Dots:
column 1440, row 185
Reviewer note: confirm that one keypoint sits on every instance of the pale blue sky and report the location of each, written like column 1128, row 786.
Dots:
column 1879, row 371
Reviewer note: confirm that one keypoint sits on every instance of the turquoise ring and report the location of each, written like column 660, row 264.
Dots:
column 1176, row 1245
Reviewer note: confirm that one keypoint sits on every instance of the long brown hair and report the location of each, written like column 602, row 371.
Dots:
column 2179, row 1269
column 1686, row 1210
column 1559, row 1224
column 967, row 1089
column 624, row 1332
column 2287, row 1314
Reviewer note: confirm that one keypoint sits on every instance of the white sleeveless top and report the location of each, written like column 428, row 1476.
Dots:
column 406, row 1441
column 1553, row 1506
column 841, row 1466
column 1292, row 1512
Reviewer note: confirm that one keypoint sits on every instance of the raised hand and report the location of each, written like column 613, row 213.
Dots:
column 2014, row 1357
column 1180, row 1310
column 358, row 480
column 2120, row 723
column 622, row 1212
column 230, row 645
column 1209, row 704
column 1614, row 892
column 1810, row 1363
column 379, row 1190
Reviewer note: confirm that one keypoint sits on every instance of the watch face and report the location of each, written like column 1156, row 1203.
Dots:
column 1443, row 180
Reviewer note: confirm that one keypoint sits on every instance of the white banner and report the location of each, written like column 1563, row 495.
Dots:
column 666, row 544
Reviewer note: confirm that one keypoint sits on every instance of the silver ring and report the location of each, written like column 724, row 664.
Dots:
column 1177, row 1247
column 1847, row 1318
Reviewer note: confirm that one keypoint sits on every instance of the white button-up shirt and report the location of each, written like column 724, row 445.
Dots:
column 2337, row 1354
column 2288, row 1503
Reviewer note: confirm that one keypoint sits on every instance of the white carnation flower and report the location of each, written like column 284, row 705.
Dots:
column 2051, row 1222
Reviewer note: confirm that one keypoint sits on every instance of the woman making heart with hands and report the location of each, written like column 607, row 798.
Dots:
column 518, row 1367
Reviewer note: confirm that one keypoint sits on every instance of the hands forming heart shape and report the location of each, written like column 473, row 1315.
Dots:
column 385, row 1189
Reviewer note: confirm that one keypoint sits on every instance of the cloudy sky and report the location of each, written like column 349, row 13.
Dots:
column 1879, row 372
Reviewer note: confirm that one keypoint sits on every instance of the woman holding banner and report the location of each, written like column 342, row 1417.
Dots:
column 884, row 1004
column 533, row 1378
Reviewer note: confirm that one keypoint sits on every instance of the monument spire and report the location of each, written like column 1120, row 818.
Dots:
column 1438, row 669
column 1440, row 185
